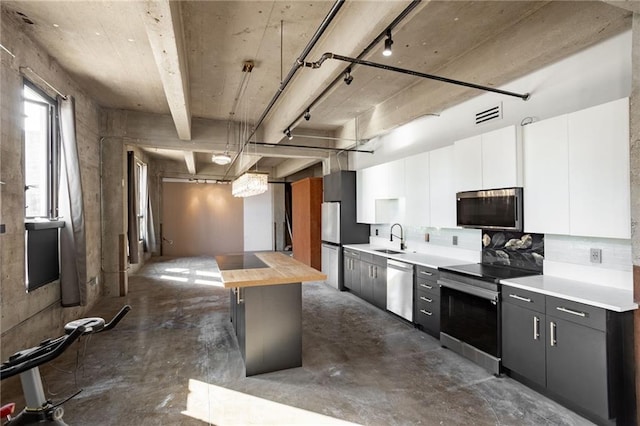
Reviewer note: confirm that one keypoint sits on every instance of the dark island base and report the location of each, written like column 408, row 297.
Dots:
column 267, row 321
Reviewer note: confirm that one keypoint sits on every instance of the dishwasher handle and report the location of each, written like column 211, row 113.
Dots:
column 399, row 265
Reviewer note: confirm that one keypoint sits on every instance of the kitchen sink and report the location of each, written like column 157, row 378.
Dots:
column 387, row 251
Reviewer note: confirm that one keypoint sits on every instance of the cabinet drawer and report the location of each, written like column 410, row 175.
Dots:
column 379, row 260
column 578, row 313
column 427, row 286
column 366, row 257
column 427, row 313
column 525, row 298
column 351, row 253
column 430, row 274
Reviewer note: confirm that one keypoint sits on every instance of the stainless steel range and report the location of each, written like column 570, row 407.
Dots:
column 470, row 310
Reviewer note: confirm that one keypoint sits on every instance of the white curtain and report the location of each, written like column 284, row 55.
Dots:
column 151, row 232
column 73, row 253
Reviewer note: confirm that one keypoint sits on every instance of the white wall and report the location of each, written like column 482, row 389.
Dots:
column 258, row 221
column 594, row 76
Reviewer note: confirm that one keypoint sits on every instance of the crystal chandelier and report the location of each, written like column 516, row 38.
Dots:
column 250, row 184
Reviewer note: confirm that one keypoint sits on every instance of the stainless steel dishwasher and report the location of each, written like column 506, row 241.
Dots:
column 400, row 289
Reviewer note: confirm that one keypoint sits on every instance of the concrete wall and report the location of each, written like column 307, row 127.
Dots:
column 29, row 318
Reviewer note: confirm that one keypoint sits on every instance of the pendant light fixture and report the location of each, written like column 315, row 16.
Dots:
column 387, row 44
column 221, row 159
column 250, row 183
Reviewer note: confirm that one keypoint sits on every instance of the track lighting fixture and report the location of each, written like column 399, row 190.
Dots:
column 288, row 133
column 387, row 44
column 307, row 115
column 348, row 78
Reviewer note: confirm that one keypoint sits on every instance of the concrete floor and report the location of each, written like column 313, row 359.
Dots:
column 173, row 360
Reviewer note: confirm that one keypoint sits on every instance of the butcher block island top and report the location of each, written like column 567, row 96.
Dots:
column 279, row 269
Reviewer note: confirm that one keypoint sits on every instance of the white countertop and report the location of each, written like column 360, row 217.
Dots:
column 614, row 299
column 422, row 259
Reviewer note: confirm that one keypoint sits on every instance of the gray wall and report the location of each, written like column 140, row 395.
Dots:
column 28, row 318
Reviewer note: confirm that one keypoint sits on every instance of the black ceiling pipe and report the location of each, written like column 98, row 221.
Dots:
column 366, row 51
column 328, row 55
column 294, row 68
column 277, row 145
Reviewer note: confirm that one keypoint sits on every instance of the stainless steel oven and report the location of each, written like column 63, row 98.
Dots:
column 470, row 318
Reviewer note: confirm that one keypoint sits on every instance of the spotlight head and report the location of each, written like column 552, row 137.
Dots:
column 288, row 133
column 348, row 78
column 387, row 45
column 307, row 115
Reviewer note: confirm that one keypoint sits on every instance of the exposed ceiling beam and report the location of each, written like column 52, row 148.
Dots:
column 290, row 167
column 163, row 22
column 190, row 159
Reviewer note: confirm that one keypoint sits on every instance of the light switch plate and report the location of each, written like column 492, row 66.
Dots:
column 454, row 240
column 596, row 255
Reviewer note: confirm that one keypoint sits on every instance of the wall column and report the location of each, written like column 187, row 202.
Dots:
column 634, row 127
column 113, row 211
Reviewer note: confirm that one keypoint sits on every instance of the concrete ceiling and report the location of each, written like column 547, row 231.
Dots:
column 180, row 63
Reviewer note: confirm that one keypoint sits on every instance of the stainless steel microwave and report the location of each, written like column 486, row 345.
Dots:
column 499, row 209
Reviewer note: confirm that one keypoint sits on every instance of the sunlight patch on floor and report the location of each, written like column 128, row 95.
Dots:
column 172, row 278
column 219, row 406
column 177, row 270
column 208, row 282
column 208, row 274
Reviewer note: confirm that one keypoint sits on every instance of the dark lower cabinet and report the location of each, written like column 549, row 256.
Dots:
column 577, row 365
column 373, row 279
column 351, row 271
column 426, row 312
column 267, row 321
column 524, row 342
column 380, row 286
column 572, row 352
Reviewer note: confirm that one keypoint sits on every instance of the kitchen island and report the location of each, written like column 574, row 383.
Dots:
column 266, row 307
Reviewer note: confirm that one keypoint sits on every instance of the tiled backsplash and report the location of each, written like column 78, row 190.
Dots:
column 616, row 254
column 468, row 239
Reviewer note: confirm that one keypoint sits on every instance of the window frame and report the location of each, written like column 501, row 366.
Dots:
column 53, row 149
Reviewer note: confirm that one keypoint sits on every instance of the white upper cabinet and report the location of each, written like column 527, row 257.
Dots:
column 417, row 209
column 546, row 176
column 501, row 158
column 442, row 192
column 576, row 173
column 391, row 179
column 381, row 182
column 468, row 164
column 488, row 161
column 599, row 170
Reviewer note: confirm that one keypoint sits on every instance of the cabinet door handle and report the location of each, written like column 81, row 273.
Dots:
column 426, row 312
column 426, row 299
column 426, row 286
column 239, row 298
column 370, row 271
column 524, row 299
column 375, row 272
column 536, row 328
column 572, row 312
column 426, row 273
column 552, row 333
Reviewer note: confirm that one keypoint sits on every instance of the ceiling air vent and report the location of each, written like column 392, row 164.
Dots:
column 493, row 113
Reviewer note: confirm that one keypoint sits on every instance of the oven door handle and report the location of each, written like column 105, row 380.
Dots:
column 465, row 288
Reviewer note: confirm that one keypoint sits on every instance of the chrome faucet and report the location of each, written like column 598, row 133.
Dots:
column 401, row 236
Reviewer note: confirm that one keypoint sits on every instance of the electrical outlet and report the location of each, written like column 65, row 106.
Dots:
column 377, row 232
column 596, row 255
column 426, row 237
column 454, row 240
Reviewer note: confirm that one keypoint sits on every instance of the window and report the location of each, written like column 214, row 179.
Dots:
column 141, row 177
column 40, row 153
